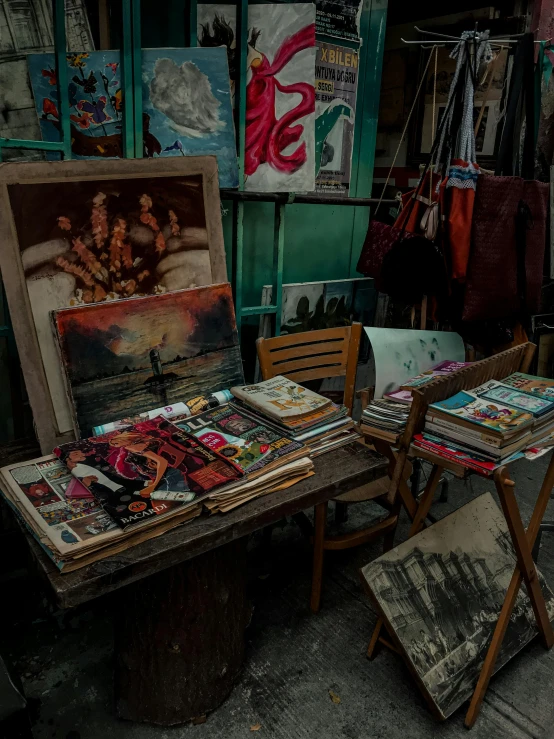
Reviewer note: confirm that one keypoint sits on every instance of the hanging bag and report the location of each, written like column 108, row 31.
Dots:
column 509, row 219
column 381, row 237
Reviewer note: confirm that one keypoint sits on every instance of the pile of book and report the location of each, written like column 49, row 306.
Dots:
column 493, row 424
column 299, row 413
column 386, row 417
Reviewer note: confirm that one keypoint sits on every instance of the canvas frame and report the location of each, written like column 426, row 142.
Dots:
column 46, row 427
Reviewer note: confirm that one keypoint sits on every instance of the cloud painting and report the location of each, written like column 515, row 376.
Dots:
column 184, row 94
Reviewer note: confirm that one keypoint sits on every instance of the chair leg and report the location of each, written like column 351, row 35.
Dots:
column 341, row 512
column 319, row 540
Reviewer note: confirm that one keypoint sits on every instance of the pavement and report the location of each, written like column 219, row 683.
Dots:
column 305, row 676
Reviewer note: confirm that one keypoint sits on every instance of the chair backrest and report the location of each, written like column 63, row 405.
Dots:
column 314, row 355
column 497, row 367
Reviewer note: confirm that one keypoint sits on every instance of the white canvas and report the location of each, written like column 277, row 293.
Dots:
column 400, row 354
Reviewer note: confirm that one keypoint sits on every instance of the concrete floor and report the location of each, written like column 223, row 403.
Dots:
column 293, row 658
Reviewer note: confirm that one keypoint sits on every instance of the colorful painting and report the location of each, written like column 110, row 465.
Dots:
column 444, row 630
column 28, row 27
column 280, row 125
column 95, row 100
column 80, row 240
column 197, row 123
column 126, row 356
column 280, row 98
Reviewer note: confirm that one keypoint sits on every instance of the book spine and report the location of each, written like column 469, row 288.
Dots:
column 462, row 438
column 495, row 441
column 452, row 458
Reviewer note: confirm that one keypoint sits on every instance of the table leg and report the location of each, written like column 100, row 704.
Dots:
column 179, row 638
column 510, row 600
column 418, row 522
column 320, row 522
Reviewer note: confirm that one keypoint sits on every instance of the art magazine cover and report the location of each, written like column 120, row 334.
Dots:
column 249, row 443
column 146, row 470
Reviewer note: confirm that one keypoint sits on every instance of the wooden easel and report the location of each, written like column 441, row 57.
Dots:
column 517, row 359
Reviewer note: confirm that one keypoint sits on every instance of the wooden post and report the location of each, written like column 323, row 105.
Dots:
column 319, row 540
column 179, row 638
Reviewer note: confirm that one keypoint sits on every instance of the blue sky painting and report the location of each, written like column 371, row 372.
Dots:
column 186, row 105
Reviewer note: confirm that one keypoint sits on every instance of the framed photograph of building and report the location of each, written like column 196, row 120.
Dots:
column 440, row 594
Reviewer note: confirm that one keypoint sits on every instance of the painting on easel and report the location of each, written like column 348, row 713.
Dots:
column 122, row 357
column 440, row 594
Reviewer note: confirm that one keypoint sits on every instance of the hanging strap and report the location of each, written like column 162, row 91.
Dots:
column 422, row 80
column 521, row 86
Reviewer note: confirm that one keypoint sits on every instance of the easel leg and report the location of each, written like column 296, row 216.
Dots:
column 418, row 521
column 319, row 539
column 509, row 601
column 505, row 488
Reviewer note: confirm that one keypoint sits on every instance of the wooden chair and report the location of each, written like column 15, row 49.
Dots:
column 517, row 359
column 315, row 355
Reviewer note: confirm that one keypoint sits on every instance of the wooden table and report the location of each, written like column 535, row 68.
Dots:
column 182, row 611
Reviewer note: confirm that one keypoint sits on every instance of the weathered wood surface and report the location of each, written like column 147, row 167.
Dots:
column 336, row 472
column 179, row 638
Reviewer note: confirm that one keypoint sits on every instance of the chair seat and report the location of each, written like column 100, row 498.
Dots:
column 376, row 489
column 366, row 492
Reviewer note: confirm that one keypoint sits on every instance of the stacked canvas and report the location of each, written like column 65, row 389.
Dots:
column 301, row 414
column 492, row 424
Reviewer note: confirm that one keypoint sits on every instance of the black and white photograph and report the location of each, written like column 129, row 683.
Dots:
column 441, row 593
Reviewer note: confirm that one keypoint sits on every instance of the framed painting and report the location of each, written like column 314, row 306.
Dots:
column 126, row 356
column 440, row 594
column 90, row 231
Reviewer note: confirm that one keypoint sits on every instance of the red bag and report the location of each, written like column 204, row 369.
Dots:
column 379, row 240
column 508, row 241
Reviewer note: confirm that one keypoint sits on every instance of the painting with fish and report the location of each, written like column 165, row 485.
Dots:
column 187, row 108
column 124, row 357
column 79, row 232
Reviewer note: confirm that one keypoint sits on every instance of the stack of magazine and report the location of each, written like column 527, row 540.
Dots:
column 97, row 497
column 385, row 419
column 297, row 412
column 493, row 424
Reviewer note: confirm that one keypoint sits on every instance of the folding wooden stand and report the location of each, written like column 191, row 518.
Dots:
column 497, row 367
